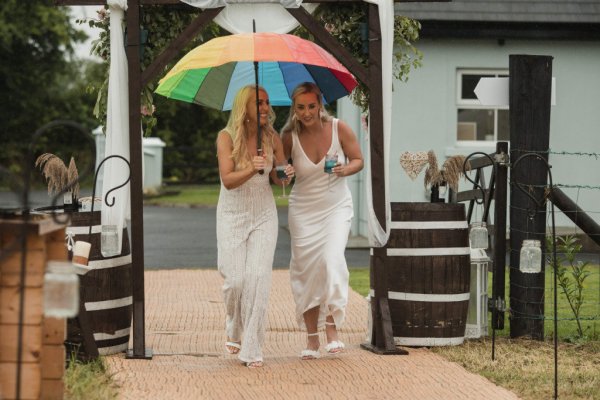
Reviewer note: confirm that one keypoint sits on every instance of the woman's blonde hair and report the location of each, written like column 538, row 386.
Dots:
column 236, row 128
column 293, row 124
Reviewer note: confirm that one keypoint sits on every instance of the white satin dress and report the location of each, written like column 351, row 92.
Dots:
column 319, row 219
column 247, row 228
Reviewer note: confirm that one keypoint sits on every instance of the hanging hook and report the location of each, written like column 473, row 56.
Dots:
column 112, row 202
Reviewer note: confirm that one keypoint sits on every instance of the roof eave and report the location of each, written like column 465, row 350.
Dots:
column 436, row 29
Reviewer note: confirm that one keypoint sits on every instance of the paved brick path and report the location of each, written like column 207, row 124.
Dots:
column 184, row 329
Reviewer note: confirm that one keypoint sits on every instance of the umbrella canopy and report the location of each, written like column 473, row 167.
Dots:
column 212, row 73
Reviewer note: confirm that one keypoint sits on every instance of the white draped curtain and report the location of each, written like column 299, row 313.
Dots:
column 378, row 236
column 117, row 125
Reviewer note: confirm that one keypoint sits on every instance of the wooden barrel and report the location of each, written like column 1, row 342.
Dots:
column 105, row 290
column 428, row 266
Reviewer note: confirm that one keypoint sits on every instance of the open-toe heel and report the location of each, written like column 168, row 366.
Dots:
column 233, row 347
column 254, row 364
column 308, row 354
column 335, row 346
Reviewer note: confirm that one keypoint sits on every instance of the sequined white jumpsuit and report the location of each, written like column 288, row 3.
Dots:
column 247, row 229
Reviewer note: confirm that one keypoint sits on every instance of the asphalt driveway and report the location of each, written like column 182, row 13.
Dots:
column 181, row 237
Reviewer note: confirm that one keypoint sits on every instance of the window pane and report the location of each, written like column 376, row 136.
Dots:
column 469, row 81
column 475, row 124
column 503, row 125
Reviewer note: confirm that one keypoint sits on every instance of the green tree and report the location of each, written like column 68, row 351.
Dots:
column 39, row 80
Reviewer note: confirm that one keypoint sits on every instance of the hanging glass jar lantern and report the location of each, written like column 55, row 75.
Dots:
column 530, row 261
column 109, row 241
column 478, row 235
column 61, row 290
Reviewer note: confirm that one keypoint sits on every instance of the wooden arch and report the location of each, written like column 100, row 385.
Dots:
column 382, row 340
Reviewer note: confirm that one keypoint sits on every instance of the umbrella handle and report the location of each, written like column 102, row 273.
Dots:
column 260, row 171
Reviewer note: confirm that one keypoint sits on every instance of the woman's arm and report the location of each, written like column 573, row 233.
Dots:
column 229, row 176
column 286, row 139
column 351, row 149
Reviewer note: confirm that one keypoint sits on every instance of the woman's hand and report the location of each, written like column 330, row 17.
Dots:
column 290, row 172
column 339, row 170
column 259, row 163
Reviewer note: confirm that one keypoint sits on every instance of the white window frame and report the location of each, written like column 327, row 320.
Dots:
column 474, row 104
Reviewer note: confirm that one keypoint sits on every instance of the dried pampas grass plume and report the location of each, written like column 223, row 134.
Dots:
column 433, row 176
column 56, row 172
column 453, row 169
column 72, row 176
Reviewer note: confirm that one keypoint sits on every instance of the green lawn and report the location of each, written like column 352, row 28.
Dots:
column 360, row 280
column 200, row 196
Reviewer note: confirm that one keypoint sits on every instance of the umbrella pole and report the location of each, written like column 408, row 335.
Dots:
column 258, row 127
column 258, row 130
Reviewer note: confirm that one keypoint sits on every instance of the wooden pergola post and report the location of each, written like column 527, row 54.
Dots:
column 382, row 330
column 530, row 88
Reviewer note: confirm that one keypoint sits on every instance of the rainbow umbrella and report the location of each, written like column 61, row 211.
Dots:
column 212, row 73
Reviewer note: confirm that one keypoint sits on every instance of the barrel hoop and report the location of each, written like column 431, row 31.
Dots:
column 83, row 230
column 429, row 225
column 108, row 304
column 105, row 351
column 426, row 297
column 429, row 251
column 117, row 334
column 428, row 341
column 110, row 262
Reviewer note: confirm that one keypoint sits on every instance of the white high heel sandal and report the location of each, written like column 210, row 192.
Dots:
column 335, row 346
column 308, row 354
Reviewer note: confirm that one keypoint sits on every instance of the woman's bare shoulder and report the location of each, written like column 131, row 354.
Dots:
column 224, row 135
column 224, row 140
column 344, row 129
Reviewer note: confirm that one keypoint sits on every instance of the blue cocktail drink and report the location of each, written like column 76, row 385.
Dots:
column 330, row 161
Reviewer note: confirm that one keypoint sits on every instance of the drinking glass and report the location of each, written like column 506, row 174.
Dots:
column 280, row 168
column 330, row 162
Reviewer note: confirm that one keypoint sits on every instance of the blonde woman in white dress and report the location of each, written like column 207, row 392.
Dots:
column 320, row 212
column 247, row 222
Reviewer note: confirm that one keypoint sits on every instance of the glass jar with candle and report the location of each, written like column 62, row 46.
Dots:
column 530, row 261
column 61, row 290
column 478, row 235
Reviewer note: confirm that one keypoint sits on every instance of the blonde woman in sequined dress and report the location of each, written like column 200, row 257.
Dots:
column 247, row 222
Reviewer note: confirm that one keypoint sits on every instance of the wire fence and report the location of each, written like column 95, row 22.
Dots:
column 578, row 288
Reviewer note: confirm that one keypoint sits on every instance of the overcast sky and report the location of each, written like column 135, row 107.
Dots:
column 82, row 50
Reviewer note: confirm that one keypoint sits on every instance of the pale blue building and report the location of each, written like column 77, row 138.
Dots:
column 464, row 40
